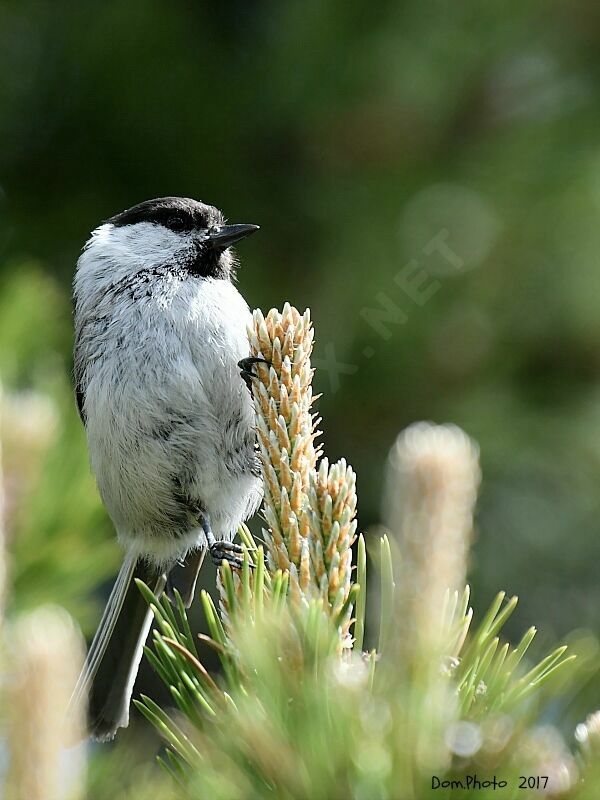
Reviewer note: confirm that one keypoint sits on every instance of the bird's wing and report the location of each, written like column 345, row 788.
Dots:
column 78, row 376
column 80, row 398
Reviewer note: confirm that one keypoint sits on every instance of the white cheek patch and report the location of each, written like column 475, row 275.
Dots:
column 134, row 246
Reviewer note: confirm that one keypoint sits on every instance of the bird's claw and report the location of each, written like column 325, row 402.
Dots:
column 246, row 370
column 230, row 552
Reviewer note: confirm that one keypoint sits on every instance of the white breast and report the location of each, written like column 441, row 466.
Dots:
column 166, row 406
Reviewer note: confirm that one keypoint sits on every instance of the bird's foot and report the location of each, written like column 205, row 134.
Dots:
column 246, row 371
column 226, row 551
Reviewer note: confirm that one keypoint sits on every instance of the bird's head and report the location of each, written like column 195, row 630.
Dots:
column 169, row 232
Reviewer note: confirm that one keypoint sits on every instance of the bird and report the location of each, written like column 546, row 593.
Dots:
column 160, row 342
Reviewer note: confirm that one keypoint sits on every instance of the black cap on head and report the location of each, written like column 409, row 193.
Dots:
column 175, row 213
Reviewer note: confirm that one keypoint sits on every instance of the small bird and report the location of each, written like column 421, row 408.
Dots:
column 160, row 340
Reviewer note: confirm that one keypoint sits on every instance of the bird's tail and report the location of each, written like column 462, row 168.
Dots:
column 115, row 653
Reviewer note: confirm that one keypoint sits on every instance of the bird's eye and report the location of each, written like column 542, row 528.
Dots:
column 176, row 223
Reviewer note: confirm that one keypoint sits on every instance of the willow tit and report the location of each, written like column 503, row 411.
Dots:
column 160, row 331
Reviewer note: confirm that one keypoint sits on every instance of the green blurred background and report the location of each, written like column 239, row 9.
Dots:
column 361, row 137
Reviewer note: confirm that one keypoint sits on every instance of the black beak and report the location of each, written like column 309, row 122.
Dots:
column 226, row 235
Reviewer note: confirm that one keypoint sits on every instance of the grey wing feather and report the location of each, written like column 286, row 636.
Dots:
column 80, row 399
column 78, row 376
